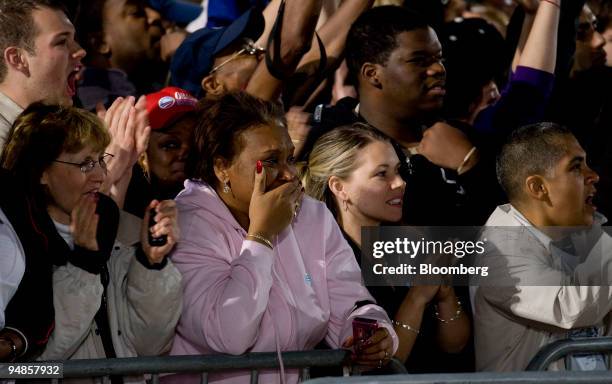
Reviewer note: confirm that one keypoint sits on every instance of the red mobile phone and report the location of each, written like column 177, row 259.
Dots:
column 363, row 329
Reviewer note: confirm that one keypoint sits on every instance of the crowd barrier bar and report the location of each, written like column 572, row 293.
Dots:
column 561, row 348
column 205, row 364
column 539, row 377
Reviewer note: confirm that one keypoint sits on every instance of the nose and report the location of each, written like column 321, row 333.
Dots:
column 436, row 69
column 398, row 182
column 78, row 53
column 597, row 41
column 287, row 173
column 154, row 19
column 97, row 174
column 184, row 151
column 591, row 176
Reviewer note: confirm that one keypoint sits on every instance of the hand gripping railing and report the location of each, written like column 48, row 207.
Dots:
column 561, row 348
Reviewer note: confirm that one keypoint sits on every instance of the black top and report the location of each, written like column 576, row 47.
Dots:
column 425, row 357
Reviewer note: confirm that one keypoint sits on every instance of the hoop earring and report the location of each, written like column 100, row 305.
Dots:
column 226, row 187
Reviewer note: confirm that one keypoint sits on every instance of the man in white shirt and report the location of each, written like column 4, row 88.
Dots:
column 40, row 58
column 548, row 258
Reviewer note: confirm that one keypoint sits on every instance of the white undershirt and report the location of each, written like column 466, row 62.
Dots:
column 12, row 264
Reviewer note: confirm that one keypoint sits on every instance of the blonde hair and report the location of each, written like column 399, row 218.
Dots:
column 335, row 154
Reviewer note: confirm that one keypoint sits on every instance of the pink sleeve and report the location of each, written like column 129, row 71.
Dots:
column 346, row 289
column 224, row 297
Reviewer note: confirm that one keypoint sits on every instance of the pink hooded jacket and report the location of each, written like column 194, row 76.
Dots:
column 240, row 296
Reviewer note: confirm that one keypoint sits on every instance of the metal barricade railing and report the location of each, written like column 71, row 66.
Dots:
column 206, row 364
column 539, row 377
column 561, row 348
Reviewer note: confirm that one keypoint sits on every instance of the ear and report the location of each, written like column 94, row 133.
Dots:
column 221, row 168
column 212, row 86
column 15, row 58
column 336, row 185
column 100, row 43
column 371, row 74
column 44, row 178
column 537, row 188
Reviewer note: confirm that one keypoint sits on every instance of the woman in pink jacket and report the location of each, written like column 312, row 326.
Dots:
column 264, row 268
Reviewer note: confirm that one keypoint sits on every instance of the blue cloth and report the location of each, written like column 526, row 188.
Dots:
column 181, row 12
column 222, row 13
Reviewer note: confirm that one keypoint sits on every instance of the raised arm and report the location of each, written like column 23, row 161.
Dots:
column 540, row 47
column 298, row 23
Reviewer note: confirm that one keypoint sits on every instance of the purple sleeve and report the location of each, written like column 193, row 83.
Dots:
column 522, row 101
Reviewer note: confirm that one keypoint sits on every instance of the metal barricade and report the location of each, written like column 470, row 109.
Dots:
column 539, row 377
column 561, row 348
column 206, row 364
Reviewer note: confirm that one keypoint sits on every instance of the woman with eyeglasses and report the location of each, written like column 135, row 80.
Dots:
column 108, row 288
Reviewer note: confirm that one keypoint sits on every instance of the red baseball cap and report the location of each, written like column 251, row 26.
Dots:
column 167, row 105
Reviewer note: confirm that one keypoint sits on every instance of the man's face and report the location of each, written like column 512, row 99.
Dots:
column 56, row 60
column 413, row 79
column 133, row 38
column 571, row 187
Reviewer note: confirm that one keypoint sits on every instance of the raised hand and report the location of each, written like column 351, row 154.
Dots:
column 84, row 222
column 166, row 224
column 272, row 211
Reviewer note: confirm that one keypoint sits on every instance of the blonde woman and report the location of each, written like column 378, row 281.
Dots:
column 355, row 171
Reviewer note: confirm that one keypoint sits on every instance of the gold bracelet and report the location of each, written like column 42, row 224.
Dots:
column 453, row 318
column 405, row 326
column 465, row 160
column 260, row 239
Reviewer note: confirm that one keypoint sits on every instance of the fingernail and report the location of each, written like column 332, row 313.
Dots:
column 259, row 166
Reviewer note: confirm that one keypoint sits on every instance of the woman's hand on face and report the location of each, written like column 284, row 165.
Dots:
column 272, row 211
column 376, row 351
column 84, row 222
column 166, row 223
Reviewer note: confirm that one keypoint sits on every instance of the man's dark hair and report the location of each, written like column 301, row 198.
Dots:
column 373, row 36
column 530, row 150
column 89, row 26
column 17, row 27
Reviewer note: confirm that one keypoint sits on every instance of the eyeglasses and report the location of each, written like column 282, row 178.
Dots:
column 248, row 48
column 89, row 164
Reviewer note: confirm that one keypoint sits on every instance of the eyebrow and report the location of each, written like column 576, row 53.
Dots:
column 577, row 159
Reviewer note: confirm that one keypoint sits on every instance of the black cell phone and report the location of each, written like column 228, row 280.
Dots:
column 155, row 241
column 363, row 329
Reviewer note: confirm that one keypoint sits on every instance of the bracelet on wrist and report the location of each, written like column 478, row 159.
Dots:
column 406, row 327
column 552, row 2
column 456, row 316
column 465, row 160
column 260, row 239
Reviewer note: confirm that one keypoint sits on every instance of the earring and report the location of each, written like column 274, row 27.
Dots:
column 226, row 187
column 345, row 205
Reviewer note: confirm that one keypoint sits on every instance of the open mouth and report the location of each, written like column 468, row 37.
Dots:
column 397, row 202
column 438, row 89
column 71, row 81
column 589, row 200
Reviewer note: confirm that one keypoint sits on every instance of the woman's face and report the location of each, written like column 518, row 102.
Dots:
column 270, row 144
column 66, row 184
column 375, row 189
column 167, row 153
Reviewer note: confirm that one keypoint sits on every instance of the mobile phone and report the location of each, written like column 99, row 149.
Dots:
column 363, row 329
column 155, row 241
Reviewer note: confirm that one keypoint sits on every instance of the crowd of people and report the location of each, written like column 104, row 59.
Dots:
column 188, row 179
